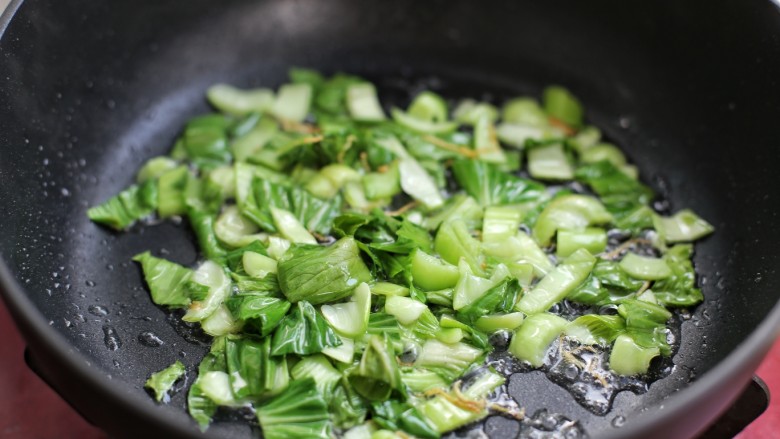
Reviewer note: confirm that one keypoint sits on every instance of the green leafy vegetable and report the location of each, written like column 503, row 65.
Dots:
column 167, row 280
column 161, row 382
column 490, row 186
column 300, row 411
column 303, row 332
column 131, row 205
column 356, row 264
column 322, row 274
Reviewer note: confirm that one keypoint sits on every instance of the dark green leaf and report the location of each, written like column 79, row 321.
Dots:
column 322, row 274
column 303, row 332
column 300, row 412
column 679, row 289
column 396, row 415
column 348, row 409
column 161, row 382
column 129, row 206
column 203, row 225
column 315, row 214
column 620, row 194
column 490, row 186
column 245, row 367
column 168, row 281
column 258, row 310
column 234, row 257
column 646, row 323
column 500, row 298
column 377, row 375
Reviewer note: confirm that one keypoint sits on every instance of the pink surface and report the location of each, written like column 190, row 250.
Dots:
column 30, row 410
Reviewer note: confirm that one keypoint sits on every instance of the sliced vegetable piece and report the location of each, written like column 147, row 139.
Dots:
column 685, row 226
column 303, row 332
column 404, row 309
column 531, row 341
column 322, row 274
column 292, row 102
column 290, row 228
column 644, row 267
column 154, row 168
column 161, row 382
column 229, row 99
column 592, row 239
column 448, row 360
column 629, row 358
column 258, row 265
column 377, row 375
column 562, row 105
column 167, row 280
column 500, row 223
column 432, row 273
column 131, row 205
column 363, row 103
column 300, row 411
column 214, row 277
column 350, row 319
column 569, row 212
column 549, row 163
column 499, row 322
column 558, row 283
column 422, row 126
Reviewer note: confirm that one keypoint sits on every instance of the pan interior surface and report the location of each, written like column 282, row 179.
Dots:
column 92, row 90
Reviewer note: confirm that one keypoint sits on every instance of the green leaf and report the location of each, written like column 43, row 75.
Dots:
column 562, row 105
column 646, row 323
column 161, row 382
column 167, row 281
column 213, row 276
column 258, row 310
column 622, row 196
column 500, row 298
column 448, row 360
column 245, row 366
column 322, row 274
column 396, row 415
column 300, row 412
column 303, row 332
column 596, row 329
column 203, row 225
column 313, row 213
column 606, row 283
column 205, row 140
column 569, row 212
column 679, row 289
column 200, row 407
column 234, row 257
column 377, row 375
column 129, row 206
column 490, row 186
column 347, row 408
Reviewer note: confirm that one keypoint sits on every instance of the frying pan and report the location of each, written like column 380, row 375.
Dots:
column 90, row 90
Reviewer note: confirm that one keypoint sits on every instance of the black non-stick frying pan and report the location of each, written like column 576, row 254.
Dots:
column 89, row 90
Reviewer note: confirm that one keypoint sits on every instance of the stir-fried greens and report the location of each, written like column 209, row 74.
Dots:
column 357, row 260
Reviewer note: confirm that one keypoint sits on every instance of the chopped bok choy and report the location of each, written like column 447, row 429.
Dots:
column 358, row 257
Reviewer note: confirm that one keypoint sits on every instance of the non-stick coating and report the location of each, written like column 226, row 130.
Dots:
column 90, row 90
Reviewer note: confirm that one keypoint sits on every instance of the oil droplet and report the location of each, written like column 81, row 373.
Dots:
column 98, row 310
column 150, row 339
column 618, row 421
column 111, row 338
